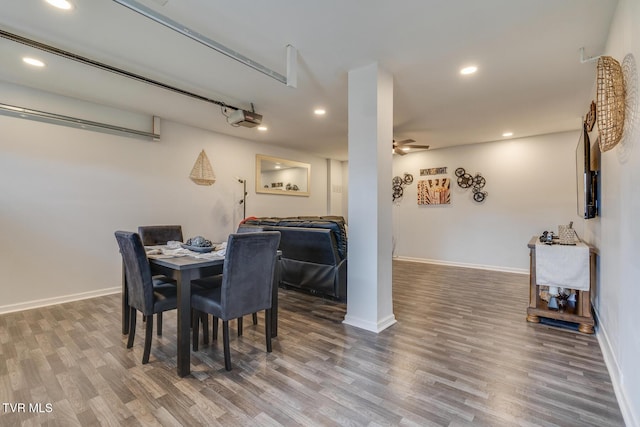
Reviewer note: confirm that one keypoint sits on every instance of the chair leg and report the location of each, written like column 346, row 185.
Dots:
column 267, row 328
column 205, row 327
column 227, row 351
column 195, row 318
column 132, row 326
column 239, row 326
column 159, row 321
column 255, row 318
column 147, row 340
column 214, row 325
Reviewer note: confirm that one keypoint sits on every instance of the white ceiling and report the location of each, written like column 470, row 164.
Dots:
column 530, row 78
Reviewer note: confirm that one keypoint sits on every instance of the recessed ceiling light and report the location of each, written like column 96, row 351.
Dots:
column 33, row 61
column 262, row 128
column 406, row 148
column 507, row 134
column 319, row 111
column 60, row 4
column 469, row 70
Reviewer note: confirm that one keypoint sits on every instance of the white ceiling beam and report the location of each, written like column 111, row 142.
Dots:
column 206, row 41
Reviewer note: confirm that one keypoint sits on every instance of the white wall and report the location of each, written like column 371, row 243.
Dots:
column 531, row 186
column 64, row 191
column 617, row 235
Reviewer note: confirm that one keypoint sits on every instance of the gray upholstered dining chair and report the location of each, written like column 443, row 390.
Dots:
column 254, row 316
column 143, row 295
column 159, row 234
column 152, row 235
column 247, row 285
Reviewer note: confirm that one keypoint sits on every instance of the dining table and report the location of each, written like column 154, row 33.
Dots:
column 184, row 269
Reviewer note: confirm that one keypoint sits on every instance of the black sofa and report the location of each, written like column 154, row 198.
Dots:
column 314, row 252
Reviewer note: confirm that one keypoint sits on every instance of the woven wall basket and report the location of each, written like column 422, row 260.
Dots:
column 610, row 102
column 202, row 173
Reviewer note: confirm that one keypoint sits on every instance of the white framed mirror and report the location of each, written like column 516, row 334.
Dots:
column 282, row 176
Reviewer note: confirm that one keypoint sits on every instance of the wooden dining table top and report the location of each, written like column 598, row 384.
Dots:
column 185, row 262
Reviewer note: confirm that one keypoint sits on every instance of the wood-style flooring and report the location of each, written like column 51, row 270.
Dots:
column 460, row 354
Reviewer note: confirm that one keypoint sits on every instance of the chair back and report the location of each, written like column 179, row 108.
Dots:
column 247, row 281
column 152, row 235
column 249, row 229
column 137, row 271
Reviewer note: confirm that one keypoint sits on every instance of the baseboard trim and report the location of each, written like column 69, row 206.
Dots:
column 11, row 308
column 464, row 265
column 630, row 418
column 376, row 327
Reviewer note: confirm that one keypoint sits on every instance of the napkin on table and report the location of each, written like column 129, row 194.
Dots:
column 211, row 255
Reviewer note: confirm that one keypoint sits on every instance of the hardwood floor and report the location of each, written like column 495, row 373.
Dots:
column 461, row 354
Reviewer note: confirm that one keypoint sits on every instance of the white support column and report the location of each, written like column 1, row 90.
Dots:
column 369, row 296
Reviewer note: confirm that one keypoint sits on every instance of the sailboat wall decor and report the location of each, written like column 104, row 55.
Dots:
column 202, row 173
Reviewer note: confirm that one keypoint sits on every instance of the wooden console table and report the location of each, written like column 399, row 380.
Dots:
column 578, row 312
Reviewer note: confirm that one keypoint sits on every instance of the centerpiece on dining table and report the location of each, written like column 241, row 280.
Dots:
column 198, row 244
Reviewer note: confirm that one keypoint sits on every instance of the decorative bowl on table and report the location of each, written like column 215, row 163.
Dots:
column 198, row 244
column 202, row 249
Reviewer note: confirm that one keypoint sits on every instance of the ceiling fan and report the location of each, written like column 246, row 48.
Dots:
column 401, row 147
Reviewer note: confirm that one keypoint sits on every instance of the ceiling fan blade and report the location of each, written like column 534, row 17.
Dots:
column 404, row 141
column 417, row 146
column 402, row 147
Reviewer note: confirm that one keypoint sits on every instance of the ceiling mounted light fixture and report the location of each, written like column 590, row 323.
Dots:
column 468, row 70
column 506, row 134
column 319, row 111
column 60, row 4
column 33, row 61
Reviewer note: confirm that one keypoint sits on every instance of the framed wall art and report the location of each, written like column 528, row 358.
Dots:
column 434, row 191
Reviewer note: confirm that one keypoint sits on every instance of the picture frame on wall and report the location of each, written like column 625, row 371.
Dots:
column 434, row 191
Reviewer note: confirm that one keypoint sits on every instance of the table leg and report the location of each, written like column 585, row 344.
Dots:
column 125, row 304
column 184, row 322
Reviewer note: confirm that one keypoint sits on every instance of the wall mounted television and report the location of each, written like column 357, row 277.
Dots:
column 586, row 176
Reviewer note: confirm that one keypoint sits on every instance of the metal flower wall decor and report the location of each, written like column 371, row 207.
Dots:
column 476, row 183
column 398, row 184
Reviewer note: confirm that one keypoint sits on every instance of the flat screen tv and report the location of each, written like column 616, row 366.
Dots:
column 586, row 177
